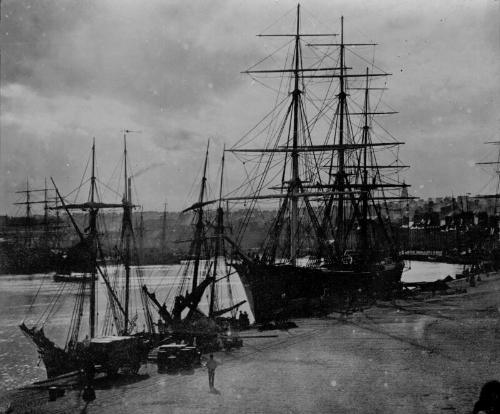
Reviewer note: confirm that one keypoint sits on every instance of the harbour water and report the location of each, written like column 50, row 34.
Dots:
column 429, row 271
column 29, row 297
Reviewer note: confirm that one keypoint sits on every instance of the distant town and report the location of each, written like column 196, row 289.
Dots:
column 163, row 236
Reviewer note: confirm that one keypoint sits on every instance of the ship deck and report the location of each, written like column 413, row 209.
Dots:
column 428, row 354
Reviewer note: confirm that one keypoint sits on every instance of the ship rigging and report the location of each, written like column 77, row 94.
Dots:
column 119, row 327
column 331, row 244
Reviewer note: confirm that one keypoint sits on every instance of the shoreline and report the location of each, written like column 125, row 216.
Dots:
column 436, row 259
column 418, row 355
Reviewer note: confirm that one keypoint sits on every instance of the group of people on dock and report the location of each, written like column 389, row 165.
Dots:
column 243, row 320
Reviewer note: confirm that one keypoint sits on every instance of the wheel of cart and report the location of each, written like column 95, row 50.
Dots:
column 133, row 366
column 132, row 362
column 161, row 360
column 172, row 365
column 186, row 358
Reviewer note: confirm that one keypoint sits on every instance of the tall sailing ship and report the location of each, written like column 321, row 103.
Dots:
column 31, row 243
column 120, row 337
column 331, row 244
column 204, row 273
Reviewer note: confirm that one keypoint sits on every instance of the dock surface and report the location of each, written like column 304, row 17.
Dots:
column 429, row 354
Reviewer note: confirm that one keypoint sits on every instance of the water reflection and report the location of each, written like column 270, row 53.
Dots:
column 18, row 356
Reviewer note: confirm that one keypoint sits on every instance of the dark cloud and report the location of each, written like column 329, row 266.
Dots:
column 74, row 69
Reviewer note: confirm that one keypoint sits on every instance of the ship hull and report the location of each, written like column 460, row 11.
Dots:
column 277, row 291
column 57, row 361
column 17, row 259
column 108, row 353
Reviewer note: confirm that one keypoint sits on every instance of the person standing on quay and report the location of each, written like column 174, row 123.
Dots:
column 211, row 365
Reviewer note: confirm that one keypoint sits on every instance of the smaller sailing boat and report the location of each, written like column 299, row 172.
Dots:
column 121, row 344
column 207, row 271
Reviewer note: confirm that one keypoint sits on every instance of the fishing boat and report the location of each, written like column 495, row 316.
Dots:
column 331, row 245
column 113, row 341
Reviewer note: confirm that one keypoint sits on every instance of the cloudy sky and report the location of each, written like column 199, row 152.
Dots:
column 76, row 69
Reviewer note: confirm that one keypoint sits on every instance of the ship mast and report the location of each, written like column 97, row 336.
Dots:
column 219, row 230
column 340, row 172
column 127, row 234
column 364, row 194
column 496, row 196
column 28, row 214
column 126, row 231
column 199, row 224
column 93, row 246
column 30, row 221
column 342, row 185
column 58, row 225
column 93, row 207
column 295, row 182
column 27, row 220
column 164, row 231
column 141, row 234
column 339, row 189
column 45, row 212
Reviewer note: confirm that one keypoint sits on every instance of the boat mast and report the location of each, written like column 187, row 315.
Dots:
column 164, row 231
column 46, row 212
column 126, row 231
column 27, row 221
column 341, row 184
column 92, row 206
column 219, row 229
column 93, row 246
column 295, row 155
column 28, row 213
column 58, row 225
column 496, row 209
column 199, row 224
column 141, row 234
column 340, row 173
column 496, row 196
column 364, row 194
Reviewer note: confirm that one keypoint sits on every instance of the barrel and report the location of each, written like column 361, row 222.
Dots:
column 186, row 357
column 88, row 394
column 172, row 364
column 53, row 393
column 161, row 360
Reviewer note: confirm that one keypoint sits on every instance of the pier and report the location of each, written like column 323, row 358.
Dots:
column 421, row 355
